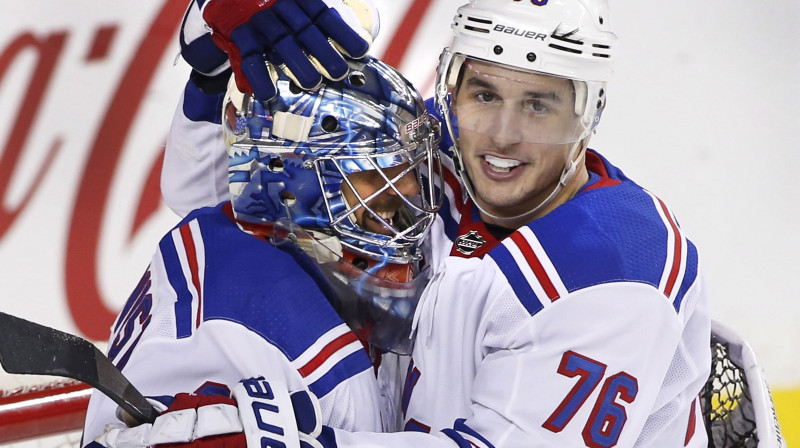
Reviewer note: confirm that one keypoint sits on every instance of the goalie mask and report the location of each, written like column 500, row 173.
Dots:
column 347, row 171
column 547, row 54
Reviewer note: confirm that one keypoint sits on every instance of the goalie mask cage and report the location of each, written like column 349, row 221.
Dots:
column 737, row 405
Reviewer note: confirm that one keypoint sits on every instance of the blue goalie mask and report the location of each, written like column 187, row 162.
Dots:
column 350, row 173
column 298, row 155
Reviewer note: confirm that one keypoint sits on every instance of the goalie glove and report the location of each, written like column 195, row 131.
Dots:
column 257, row 414
column 307, row 39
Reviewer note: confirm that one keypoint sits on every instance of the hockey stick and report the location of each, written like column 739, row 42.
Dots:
column 33, row 349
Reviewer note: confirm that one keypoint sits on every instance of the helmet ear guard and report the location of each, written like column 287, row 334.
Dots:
column 581, row 95
column 454, row 71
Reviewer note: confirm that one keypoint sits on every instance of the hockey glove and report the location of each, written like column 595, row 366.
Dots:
column 258, row 413
column 306, row 39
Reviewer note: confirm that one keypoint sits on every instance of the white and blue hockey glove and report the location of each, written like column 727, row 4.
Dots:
column 257, row 414
column 307, row 39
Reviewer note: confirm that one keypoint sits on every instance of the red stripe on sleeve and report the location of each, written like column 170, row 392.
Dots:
column 326, row 353
column 692, row 423
column 676, row 259
column 536, row 266
column 191, row 256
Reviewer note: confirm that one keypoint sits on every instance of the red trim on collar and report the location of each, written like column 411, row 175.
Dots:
column 595, row 164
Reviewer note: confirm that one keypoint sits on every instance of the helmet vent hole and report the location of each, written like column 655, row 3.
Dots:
column 599, row 104
column 360, row 263
column 531, row 57
column 287, row 198
column 601, row 20
column 498, row 49
column 357, row 79
column 330, row 123
column 294, row 88
column 276, row 165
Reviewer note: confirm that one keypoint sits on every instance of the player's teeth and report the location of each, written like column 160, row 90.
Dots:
column 386, row 216
column 501, row 165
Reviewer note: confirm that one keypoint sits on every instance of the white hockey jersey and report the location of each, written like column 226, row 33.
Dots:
column 588, row 327
column 217, row 305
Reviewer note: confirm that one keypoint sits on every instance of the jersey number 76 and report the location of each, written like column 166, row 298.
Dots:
column 605, row 423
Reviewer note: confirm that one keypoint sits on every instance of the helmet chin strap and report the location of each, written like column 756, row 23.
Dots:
column 570, row 168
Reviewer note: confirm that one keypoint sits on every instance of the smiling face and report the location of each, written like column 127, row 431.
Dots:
column 516, row 130
column 387, row 204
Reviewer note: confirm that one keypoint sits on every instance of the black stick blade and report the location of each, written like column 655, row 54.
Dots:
column 33, row 349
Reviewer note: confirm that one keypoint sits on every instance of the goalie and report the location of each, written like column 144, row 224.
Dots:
column 327, row 214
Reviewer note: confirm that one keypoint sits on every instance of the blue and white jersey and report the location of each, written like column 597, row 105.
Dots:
column 219, row 305
column 587, row 327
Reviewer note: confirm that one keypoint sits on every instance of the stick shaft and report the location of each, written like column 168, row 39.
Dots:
column 33, row 349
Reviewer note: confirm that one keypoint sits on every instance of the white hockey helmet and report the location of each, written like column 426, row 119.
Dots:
column 568, row 39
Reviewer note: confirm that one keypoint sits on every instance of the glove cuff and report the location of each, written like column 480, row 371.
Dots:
column 211, row 85
column 224, row 17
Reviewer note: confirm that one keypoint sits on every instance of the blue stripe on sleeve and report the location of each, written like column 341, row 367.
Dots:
column 461, row 442
column 689, row 276
column 508, row 266
column 348, row 367
column 183, row 306
column 460, row 427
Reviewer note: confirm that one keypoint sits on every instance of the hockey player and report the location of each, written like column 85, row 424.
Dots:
column 328, row 208
column 583, row 300
column 567, row 307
